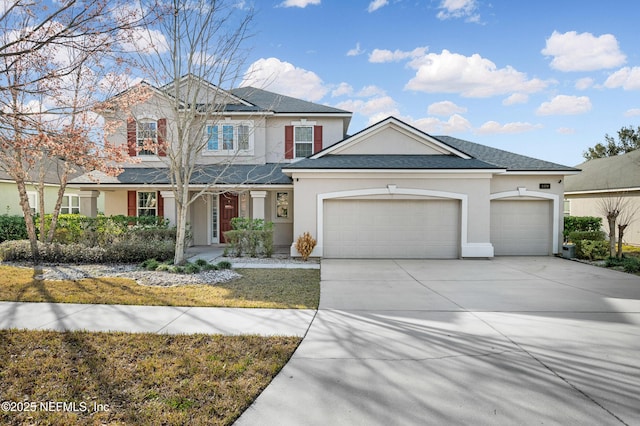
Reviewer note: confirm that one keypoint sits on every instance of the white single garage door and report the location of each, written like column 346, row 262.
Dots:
column 400, row 229
column 521, row 228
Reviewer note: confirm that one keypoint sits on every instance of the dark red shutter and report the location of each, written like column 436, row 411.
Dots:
column 317, row 139
column 160, row 205
column 132, row 203
column 288, row 142
column 162, row 137
column 131, row 136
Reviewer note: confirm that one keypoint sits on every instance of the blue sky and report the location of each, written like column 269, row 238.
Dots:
column 541, row 78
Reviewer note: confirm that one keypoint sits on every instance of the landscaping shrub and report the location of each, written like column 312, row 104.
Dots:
column 12, row 228
column 121, row 252
column 305, row 244
column 252, row 237
column 224, row 264
column 590, row 245
column 104, row 230
column 581, row 223
column 628, row 264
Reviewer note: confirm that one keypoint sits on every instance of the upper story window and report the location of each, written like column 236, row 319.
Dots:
column 303, row 140
column 229, row 137
column 147, row 137
column 146, row 134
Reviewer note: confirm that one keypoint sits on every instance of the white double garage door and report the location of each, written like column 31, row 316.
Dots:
column 429, row 229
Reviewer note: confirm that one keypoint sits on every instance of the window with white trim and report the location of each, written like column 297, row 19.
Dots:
column 303, row 141
column 282, row 205
column 70, row 204
column 146, row 133
column 229, row 136
column 147, row 203
column 567, row 207
column 33, row 201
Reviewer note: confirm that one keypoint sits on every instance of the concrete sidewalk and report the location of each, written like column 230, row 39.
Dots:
column 155, row 319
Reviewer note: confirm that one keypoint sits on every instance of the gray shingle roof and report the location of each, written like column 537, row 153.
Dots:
column 277, row 103
column 391, row 162
column 237, row 174
column 504, row 159
column 619, row 172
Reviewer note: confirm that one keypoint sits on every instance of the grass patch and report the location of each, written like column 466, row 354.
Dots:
column 258, row 288
column 136, row 378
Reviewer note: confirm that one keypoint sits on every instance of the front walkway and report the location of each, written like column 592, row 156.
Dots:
column 155, row 319
column 484, row 342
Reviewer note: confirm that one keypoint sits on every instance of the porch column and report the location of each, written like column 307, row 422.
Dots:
column 89, row 203
column 257, row 205
column 169, row 210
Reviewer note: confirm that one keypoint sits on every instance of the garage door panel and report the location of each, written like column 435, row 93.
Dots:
column 521, row 228
column 391, row 228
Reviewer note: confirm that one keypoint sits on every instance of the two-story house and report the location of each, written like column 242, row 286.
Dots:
column 389, row 190
column 240, row 166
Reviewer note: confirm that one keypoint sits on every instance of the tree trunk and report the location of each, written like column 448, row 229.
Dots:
column 28, row 219
column 56, row 210
column 621, row 229
column 181, row 231
column 611, row 219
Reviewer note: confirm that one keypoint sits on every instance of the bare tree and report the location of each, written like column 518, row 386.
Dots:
column 52, row 61
column 191, row 54
column 620, row 213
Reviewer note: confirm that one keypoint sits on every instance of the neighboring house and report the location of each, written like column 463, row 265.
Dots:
column 10, row 199
column 606, row 177
column 387, row 191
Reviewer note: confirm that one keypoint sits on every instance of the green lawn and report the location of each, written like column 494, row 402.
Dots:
column 258, row 288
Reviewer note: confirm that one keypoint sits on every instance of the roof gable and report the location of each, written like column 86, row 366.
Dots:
column 391, row 137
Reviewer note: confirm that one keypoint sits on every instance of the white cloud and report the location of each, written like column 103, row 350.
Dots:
column 493, row 127
column 566, row 131
column 627, row 78
column 370, row 91
column 565, row 105
column 459, row 9
column 584, row 83
column 374, row 109
column 516, row 98
column 343, row 89
column 299, row 3
column 376, row 4
column 143, row 41
column 455, row 124
column 583, row 52
column 633, row 112
column 470, row 76
column 383, row 55
column 445, row 109
column 282, row 77
column 356, row 51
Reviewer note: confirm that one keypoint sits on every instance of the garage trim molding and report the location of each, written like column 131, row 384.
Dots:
column 523, row 192
column 467, row 249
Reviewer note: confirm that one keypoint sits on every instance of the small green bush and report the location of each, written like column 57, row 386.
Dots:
column 12, row 228
column 592, row 250
column 150, row 265
column 191, row 268
column 628, row 264
column 201, row 263
column 224, row 264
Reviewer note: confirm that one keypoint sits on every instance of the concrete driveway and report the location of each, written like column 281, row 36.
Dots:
column 504, row 341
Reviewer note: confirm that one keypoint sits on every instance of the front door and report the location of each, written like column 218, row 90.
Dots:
column 228, row 210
